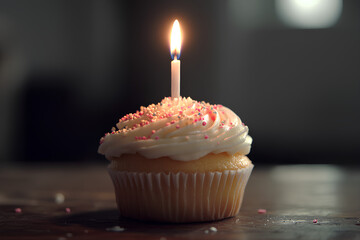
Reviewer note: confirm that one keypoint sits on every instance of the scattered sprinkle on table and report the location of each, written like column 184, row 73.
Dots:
column 115, row 229
column 213, row 229
column 67, row 210
column 315, row 220
column 17, row 210
column 59, row 198
column 261, row 211
column 69, row 235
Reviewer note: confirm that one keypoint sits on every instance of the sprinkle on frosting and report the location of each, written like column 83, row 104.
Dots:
column 180, row 126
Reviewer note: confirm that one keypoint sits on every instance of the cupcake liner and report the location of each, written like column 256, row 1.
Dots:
column 180, row 197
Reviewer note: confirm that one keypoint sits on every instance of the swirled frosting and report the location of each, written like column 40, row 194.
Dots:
column 181, row 129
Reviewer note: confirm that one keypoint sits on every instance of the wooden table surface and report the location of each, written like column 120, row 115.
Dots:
column 292, row 195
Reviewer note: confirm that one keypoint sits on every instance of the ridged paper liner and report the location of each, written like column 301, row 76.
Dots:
column 180, row 197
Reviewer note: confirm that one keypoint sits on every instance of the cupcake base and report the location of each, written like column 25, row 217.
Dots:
column 180, row 197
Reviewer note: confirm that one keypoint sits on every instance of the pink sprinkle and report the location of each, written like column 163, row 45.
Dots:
column 143, row 138
column 178, row 126
column 195, row 120
column 206, row 136
column 203, row 123
column 153, row 131
column 17, row 210
column 261, row 211
column 180, row 112
column 172, row 122
column 67, row 210
column 157, row 137
column 315, row 220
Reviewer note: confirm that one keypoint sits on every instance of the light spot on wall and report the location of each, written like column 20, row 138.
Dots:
column 309, row 13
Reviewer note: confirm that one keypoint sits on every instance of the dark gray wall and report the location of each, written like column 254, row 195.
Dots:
column 70, row 69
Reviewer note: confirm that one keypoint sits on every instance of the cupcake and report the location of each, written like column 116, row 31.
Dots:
column 179, row 161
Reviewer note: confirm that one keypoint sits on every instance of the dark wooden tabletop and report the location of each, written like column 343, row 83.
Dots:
column 292, row 195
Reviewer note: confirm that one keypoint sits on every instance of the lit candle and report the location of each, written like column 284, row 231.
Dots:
column 175, row 47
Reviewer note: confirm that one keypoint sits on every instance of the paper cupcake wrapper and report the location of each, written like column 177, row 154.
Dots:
column 180, row 197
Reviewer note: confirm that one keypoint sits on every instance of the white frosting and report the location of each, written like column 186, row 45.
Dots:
column 181, row 129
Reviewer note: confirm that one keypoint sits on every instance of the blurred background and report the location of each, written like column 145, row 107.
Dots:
column 289, row 68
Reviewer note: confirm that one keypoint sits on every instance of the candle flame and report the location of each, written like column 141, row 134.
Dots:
column 175, row 43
